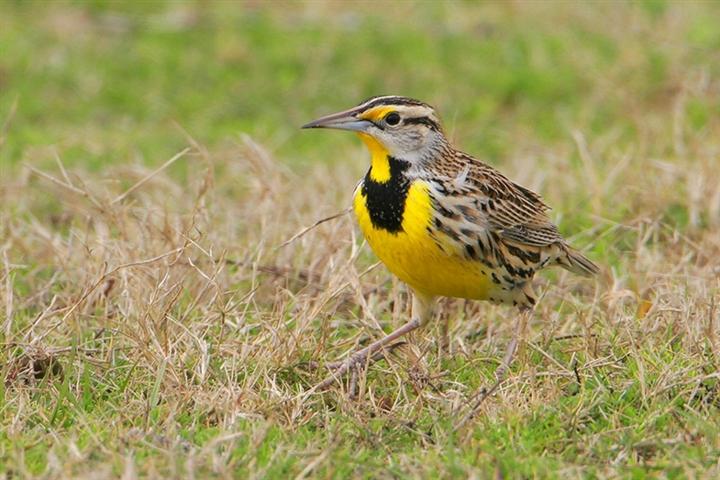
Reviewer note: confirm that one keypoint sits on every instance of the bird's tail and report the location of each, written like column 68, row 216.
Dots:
column 574, row 261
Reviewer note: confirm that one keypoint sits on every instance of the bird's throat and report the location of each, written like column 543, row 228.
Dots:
column 379, row 159
column 384, row 201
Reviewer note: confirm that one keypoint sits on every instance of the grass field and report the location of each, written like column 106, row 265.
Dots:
column 151, row 165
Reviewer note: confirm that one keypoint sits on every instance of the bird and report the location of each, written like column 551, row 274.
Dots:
column 444, row 222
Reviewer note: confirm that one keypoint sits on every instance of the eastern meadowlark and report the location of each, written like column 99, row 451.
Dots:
column 442, row 221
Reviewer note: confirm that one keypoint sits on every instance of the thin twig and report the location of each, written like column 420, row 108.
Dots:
column 139, row 184
column 99, row 282
column 307, row 229
column 62, row 169
column 8, row 294
column 68, row 186
column 8, row 121
column 56, row 181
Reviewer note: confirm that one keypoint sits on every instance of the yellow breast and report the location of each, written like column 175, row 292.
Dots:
column 415, row 257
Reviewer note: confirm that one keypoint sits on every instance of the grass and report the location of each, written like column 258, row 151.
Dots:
column 151, row 326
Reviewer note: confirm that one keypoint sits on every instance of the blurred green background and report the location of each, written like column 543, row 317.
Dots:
column 106, row 82
column 611, row 108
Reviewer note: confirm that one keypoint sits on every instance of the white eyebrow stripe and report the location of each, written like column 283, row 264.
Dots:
column 375, row 99
column 391, row 100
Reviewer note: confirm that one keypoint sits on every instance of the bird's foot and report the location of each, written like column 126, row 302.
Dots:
column 354, row 364
column 370, row 353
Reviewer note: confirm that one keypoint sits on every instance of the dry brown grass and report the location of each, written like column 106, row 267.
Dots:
column 152, row 325
column 178, row 301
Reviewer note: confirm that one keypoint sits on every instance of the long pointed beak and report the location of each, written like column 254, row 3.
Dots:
column 347, row 120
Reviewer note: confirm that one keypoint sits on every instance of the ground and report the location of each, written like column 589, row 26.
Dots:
column 151, row 167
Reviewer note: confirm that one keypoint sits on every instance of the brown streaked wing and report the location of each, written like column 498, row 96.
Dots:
column 515, row 212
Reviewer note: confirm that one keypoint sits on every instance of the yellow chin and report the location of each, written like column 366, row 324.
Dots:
column 380, row 166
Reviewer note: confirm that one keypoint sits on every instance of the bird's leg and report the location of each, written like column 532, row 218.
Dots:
column 445, row 335
column 502, row 370
column 353, row 387
column 376, row 356
column 362, row 355
column 421, row 313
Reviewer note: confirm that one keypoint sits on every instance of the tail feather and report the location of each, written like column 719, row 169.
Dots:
column 576, row 262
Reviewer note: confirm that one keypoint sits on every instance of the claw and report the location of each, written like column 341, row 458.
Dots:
column 355, row 362
column 422, row 309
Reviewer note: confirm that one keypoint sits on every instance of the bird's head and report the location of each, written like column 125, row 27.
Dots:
column 400, row 127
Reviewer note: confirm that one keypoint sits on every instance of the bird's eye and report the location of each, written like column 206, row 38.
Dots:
column 392, row 118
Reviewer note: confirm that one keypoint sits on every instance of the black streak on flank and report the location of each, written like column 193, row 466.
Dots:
column 386, row 201
column 525, row 256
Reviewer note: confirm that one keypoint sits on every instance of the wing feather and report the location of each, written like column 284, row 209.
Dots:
column 511, row 210
column 482, row 215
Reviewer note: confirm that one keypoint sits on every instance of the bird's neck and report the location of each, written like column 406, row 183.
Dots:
column 381, row 170
column 384, row 194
